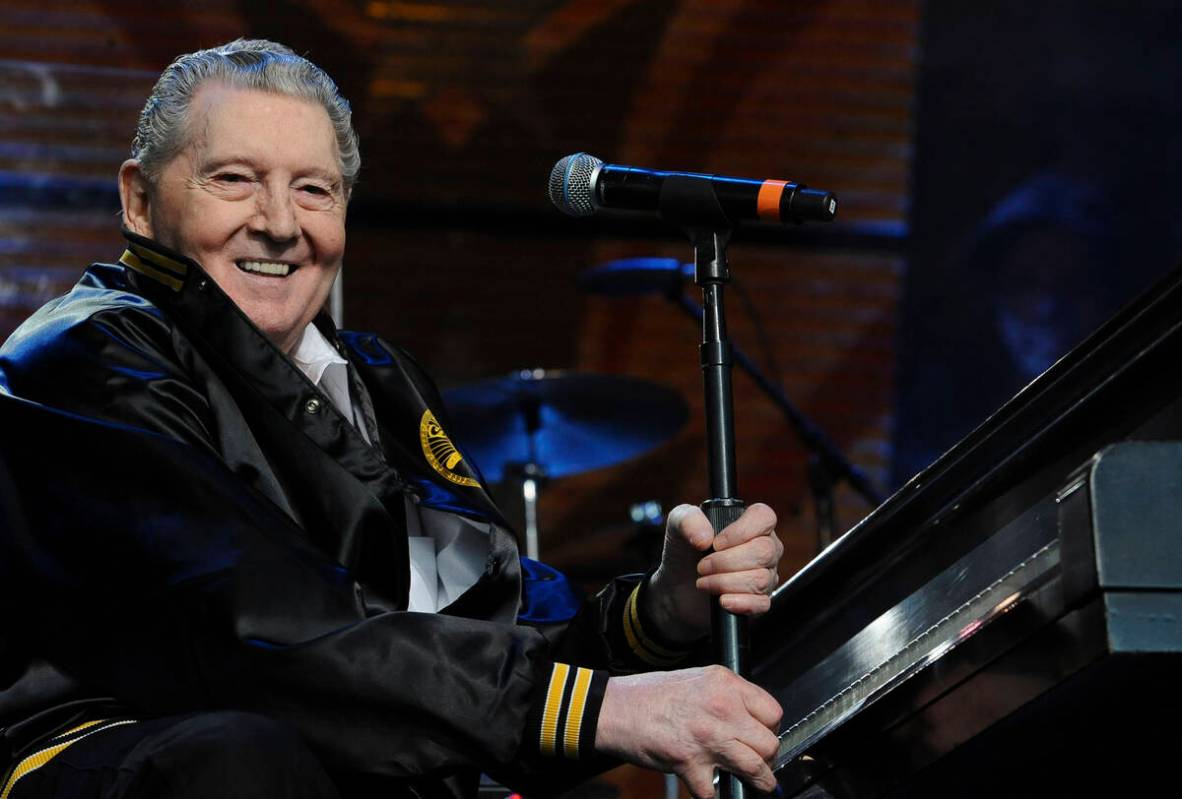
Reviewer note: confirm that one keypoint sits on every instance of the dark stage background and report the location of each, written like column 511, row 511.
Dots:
column 1004, row 169
column 1044, row 197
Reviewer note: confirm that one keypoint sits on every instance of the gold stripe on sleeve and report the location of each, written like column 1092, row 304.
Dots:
column 641, row 644
column 574, row 714
column 554, row 696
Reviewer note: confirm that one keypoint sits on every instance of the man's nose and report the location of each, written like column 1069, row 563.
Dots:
column 275, row 214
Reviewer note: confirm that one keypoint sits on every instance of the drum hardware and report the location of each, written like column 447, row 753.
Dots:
column 827, row 465
column 537, row 425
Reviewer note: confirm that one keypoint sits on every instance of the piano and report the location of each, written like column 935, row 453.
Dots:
column 1009, row 623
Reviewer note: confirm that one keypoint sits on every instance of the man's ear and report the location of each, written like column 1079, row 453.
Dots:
column 135, row 198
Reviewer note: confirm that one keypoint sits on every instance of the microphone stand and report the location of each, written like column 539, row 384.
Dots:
column 827, row 465
column 690, row 202
column 711, row 272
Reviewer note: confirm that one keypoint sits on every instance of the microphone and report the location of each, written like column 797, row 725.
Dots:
column 582, row 185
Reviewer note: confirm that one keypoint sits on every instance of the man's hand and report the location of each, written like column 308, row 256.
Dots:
column 741, row 571
column 690, row 722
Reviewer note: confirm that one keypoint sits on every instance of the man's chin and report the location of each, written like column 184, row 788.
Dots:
column 283, row 333
column 286, row 340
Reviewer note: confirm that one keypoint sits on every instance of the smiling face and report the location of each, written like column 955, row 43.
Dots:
column 256, row 197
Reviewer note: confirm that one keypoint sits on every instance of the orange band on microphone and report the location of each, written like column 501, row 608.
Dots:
column 768, row 202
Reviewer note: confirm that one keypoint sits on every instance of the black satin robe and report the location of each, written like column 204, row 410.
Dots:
column 189, row 523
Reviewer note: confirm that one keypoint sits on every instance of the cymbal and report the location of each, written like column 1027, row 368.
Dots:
column 627, row 276
column 563, row 422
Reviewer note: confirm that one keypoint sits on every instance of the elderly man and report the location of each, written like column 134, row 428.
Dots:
column 354, row 617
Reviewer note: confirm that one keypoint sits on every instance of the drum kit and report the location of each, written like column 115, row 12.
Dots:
column 536, row 425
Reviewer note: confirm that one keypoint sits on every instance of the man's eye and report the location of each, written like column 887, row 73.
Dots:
column 230, row 177
column 313, row 189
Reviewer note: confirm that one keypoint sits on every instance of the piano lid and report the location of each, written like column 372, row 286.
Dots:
column 895, row 648
column 1129, row 353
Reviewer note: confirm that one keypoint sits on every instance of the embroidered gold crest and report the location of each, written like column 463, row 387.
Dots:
column 440, row 452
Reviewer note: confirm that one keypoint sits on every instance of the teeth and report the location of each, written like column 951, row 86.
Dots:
column 265, row 268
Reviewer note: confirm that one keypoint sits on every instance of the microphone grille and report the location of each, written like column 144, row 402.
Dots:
column 570, row 184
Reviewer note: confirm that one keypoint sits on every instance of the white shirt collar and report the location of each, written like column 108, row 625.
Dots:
column 328, row 371
column 314, row 354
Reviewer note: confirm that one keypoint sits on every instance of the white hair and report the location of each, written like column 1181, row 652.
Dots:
column 243, row 64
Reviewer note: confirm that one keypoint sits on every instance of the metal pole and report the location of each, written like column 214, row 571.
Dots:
column 529, row 493
column 712, row 273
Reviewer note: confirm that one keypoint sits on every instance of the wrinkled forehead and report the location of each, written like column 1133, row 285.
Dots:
column 224, row 120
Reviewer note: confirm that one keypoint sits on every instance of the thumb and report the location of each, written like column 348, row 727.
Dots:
column 688, row 529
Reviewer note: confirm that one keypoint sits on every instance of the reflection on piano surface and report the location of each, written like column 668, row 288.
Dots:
column 1010, row 622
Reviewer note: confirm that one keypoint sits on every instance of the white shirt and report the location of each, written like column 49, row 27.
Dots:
column 438, row 574
column 328, row 371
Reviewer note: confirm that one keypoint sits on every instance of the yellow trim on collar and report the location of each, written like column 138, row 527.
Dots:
column 133, row 261
column 171, row 265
